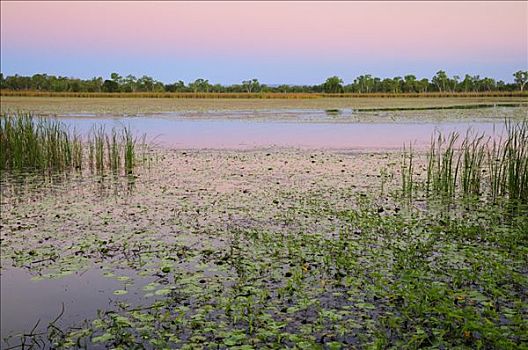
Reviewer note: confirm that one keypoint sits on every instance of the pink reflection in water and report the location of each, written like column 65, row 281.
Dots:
column 243, row 134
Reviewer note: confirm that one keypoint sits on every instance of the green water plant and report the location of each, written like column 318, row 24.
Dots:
column 476, row 166
column 36, row 143
column 33, row 143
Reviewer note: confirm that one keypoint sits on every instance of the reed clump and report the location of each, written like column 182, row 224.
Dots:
column 31, row 143
column 475, row 166
column 35, row 143
column 114, row 151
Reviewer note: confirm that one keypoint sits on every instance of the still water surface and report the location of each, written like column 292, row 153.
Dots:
column 247, row 134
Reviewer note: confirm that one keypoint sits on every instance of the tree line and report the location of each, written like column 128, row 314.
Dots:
column 440, row 82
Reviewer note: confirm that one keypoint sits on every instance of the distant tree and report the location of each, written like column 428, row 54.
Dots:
column 200, row 85
column 409, row 84
column 145, row 83
column 179, row 86
column 283, row 88
column 333, row 85
column 389, row 85
column 129, row 83
column 365, row 83
column 488, row 84
column 468, row 83
column 422, row 85
column 158, row 86
column 75, row 85
column 392, row 85
column 361, row 84
column 59, row 84
column 116, row 77
column 252, row 85
column 521, row 78
column 110, row 86
column 217, row 88
column 265, row 88
column 40, row 82
column 398, row 84
column 440, row 80
column 94, row 85
column 476, row 82
column 454, row 83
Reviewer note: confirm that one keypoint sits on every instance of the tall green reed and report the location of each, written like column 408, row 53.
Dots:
column 407, row 173
column 31, row 143
column 442, row 171
column 475, row 166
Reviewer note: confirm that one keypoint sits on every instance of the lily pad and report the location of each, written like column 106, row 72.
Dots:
column 120, row 292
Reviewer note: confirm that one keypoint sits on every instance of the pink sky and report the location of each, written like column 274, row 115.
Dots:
column 453, row 31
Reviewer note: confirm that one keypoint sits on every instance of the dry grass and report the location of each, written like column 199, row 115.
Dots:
column 63, row 105
column 259, row 95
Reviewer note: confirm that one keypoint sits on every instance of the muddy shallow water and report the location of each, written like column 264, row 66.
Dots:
column 185, row 201
column 28, row 299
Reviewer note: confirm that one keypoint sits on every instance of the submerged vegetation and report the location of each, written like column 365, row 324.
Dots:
column 31, row 143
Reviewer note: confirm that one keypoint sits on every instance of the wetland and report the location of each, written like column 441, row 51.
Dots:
column 320, row 227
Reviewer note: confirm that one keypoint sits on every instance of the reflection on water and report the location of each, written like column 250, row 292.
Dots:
column 80, row 294
column 246, row 134
column 20, row 187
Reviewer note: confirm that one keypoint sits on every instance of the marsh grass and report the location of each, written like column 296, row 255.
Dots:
column 441, row 170
column 129, row 150
column 407, row 173
column 31, row 143
column 475, row 166
column 37, row 143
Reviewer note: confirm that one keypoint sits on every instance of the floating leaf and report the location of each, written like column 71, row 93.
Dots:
column 334, row 345
column 103, row 338
column 151, row 286
column 120, row 292
column 97, row 323
column 163, row 291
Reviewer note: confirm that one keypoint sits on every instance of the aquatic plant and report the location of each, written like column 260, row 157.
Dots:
column 276, row 268
column 29, row 143
column 476, row 166
column 407, row 173
column 32, row 143
column 129, row 146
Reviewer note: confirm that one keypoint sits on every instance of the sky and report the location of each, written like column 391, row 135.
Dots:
column 275, row 42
